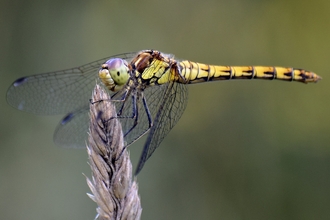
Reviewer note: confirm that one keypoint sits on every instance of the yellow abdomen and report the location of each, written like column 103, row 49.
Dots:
column 197, row 72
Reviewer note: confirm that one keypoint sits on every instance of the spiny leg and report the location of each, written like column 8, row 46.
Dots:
column 145, row 105
column 135, row 115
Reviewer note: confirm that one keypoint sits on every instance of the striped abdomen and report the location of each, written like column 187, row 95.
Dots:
column 197, row 72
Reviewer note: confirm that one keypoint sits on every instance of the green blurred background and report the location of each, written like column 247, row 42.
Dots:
column 242, row 150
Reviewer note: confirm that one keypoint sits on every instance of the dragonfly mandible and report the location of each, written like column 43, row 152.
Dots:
column 148, row 89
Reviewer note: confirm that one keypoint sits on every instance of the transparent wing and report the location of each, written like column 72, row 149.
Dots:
column 165, row 104
column 70, row 90
column 133, row 114
column 57, row 92
column 72, row 130
column 167, row 113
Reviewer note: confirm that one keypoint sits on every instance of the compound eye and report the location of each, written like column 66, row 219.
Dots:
column 118, row 69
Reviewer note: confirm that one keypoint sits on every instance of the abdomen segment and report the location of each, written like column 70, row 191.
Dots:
column 195, row 72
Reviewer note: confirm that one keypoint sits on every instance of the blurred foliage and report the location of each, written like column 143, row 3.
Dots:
column 242, row 150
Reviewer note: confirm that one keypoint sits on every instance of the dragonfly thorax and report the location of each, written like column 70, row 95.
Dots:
column 114, row 74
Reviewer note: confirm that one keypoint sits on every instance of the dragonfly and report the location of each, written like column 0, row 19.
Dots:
column 148, row 89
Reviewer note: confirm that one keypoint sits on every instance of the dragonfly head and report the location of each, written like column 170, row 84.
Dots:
column 114, row 73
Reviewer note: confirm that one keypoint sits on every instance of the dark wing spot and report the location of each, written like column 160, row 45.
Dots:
column 67, row 118
column 118, row 73
column 20, row 81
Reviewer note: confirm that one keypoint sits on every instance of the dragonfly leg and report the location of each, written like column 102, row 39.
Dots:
column 122, row 99
column 145, row 105
column 134, row 116
column 148, row 112
column 135, row 109
column 98, row 101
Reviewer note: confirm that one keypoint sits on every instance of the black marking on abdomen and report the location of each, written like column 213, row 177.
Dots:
column 250, row 72
column 303, row 74
column 272, row 73
column 290, row 74
column 230, row 76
